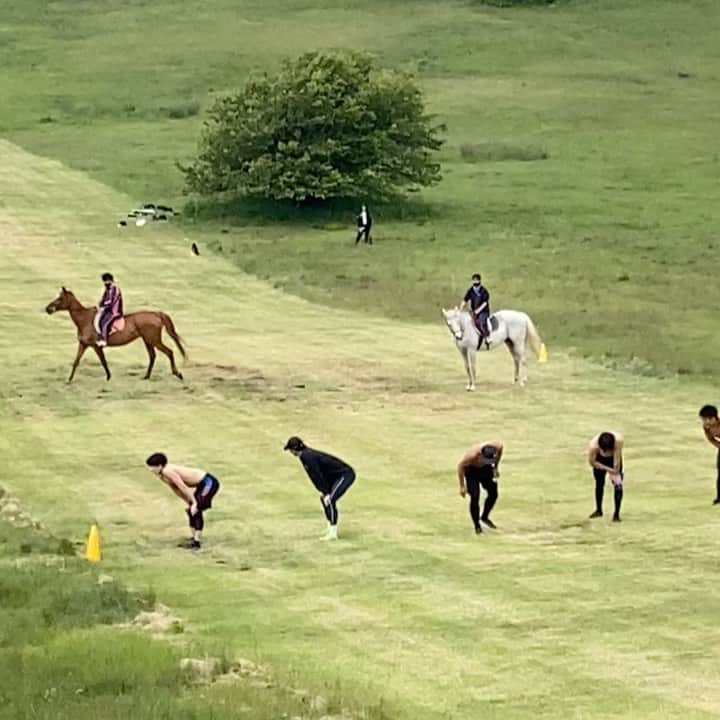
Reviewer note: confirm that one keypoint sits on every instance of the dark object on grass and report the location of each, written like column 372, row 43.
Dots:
column 161, row 217
column 683, row 74
column 164, row 208
column 122, row 223
column 224, row 231
column 194, row 248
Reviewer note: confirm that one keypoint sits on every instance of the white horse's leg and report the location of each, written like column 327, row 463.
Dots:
column 516, row 362
column 472, row 357
column 466, row 360
column 521, row 350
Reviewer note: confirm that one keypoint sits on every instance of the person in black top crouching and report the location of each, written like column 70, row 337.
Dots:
column 330, row 475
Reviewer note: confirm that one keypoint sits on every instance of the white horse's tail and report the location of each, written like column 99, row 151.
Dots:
column 536, row 343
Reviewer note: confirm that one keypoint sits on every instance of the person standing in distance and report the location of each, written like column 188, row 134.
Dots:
column 605, row 456
column 480, row 467
column 364, row 224
column 331, row 476
column 711, row 426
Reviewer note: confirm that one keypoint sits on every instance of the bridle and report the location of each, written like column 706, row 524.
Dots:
column 457, row 335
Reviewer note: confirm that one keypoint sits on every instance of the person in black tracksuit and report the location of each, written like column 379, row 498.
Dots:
column 330, row 475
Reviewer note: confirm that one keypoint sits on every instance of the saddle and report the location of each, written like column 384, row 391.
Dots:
column 117, row 326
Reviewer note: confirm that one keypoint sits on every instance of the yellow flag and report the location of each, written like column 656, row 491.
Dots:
column 543, row 357
column 92, row 553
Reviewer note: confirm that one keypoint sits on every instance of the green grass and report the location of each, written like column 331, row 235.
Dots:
column 553, row 616
column 606, row 242
column 64, row 653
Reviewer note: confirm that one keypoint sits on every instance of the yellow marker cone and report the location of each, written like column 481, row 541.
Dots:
column 543, row 354
column 92, row 553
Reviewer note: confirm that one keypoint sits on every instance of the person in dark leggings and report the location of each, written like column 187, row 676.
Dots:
column 195, row 487
column 605, row 457
column 331, row 476
column 711, row 427
column 479, row 468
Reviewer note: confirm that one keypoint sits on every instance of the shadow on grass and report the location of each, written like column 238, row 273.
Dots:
column 238, row 210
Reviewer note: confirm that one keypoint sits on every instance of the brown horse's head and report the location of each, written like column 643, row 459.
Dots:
column 61, row 302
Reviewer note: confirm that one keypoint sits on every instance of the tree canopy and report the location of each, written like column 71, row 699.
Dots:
column 327, row 125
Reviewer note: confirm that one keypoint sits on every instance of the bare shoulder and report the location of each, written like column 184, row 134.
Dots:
column 189, row 475
column 472, row 452
column 593, row 444
column 619, row 438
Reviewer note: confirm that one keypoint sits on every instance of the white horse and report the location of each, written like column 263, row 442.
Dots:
column 509, row 327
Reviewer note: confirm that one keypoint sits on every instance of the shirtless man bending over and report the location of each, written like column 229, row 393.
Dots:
column 479, row 468
column 711, row 426
column 605, row 457
column 182, row 481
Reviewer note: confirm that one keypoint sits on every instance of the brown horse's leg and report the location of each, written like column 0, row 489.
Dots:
column 151, row 354
column 165, row 349
column 101, row 354
column 80, row 352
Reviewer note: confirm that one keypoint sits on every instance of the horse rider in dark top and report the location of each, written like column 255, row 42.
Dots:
column 478, row 299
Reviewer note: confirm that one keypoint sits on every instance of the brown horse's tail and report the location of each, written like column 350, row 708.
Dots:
column 170, row 327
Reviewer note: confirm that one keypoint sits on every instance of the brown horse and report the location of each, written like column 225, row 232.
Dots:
column 145, row 324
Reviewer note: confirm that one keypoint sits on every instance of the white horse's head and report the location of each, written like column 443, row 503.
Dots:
column 453, row 319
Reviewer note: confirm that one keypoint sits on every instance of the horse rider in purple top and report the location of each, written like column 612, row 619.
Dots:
column 111, row 307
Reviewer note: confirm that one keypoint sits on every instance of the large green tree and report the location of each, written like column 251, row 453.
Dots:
column 328, row 125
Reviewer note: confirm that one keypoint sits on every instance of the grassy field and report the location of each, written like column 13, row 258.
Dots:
column 553, row 616
column 608, row 243
column 68, row 648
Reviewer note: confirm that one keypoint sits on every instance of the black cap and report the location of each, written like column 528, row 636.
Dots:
column 295, row 444
column 489, row 451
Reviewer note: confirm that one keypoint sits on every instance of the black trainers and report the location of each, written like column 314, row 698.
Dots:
column 716, row 501
column 478, row 529
column 596, row 514
column 195, row 545
column 489, row 523
column 616, row 518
